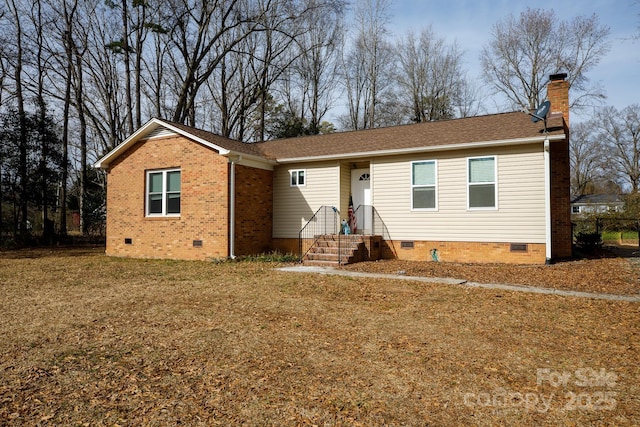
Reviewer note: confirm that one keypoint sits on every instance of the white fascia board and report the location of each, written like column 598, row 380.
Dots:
column 104, row 161
column 449, row 147
column 254, row 161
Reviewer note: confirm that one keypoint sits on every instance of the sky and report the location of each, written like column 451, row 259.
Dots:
column 469, row 23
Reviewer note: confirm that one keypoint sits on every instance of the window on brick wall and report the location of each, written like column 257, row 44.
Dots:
column 163, row 193
column 297, row 178
column 481, row 184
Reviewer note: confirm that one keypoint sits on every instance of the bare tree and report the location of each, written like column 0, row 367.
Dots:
column 585, row 153
column 367, row 66
column 524, row 51
column 17, row 14
column 3, row 75
column 430, row 76
column 310, row 87
column 42, row 64
column 619, row 132
column 279, row 26
column 105, row 107
column 127, row 64
column 469, row 102
column 198, row 32
column 263, row 67
column 240, row 84
column 131, row 47
column 79, row 51
column 4, row 65
column 153, row 83
column 67, row 14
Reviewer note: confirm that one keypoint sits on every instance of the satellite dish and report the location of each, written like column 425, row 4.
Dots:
column 541, row 112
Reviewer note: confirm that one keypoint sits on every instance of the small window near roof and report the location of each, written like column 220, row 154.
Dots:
column 298, row 178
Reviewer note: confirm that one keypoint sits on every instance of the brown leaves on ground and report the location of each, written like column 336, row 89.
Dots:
column 610, row 275
column 91, row 340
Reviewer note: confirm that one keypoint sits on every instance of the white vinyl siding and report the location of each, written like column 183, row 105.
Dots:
column 520, row 216
column 424, row 187
column 293, row 206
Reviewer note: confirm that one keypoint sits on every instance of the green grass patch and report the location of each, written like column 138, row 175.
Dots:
column 620, row 235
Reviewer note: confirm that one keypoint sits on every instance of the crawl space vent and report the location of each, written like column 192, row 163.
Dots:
column 518, row 247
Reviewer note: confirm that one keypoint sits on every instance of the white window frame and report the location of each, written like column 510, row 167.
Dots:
column 296, row 173
column 495, row 183
column 435, row 185
column 164, row 173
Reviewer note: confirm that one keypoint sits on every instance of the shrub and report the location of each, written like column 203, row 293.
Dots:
column 270, row 257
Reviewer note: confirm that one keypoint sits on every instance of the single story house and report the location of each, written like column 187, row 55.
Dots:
column 491, row 188
column 588, row 204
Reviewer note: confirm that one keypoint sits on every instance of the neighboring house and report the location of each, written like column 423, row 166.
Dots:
column 492, row 188
column 589, row 204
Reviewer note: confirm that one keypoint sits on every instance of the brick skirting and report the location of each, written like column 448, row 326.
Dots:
column 473, row 252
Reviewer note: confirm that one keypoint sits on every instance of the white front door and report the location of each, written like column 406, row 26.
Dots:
column 361, row 193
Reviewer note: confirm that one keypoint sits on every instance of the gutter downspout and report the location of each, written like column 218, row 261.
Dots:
column 232, row 207
column 547, row 201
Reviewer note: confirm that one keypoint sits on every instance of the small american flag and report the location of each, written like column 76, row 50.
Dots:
column 353, row 222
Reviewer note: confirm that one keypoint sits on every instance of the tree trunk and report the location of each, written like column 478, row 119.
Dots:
column 68, row 47
column 22, row 145
column 127, row 65
column 82, row 123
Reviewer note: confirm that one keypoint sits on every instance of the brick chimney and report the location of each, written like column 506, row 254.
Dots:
column 558, row 95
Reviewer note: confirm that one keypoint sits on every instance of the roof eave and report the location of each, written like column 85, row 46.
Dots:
column 104, row 162
column 422, row 149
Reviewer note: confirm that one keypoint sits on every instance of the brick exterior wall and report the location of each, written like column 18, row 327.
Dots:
column 204, row 202
column 205, row 209
column 561, row 239
column 253, row 210
column 474, row 252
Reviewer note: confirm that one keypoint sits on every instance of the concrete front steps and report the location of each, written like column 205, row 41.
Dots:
column 325, row 250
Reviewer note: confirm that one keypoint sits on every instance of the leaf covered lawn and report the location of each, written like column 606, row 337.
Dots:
column 91, row 340
column 610, row 275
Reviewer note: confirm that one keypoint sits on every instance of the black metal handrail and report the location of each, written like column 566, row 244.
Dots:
column 326, row 220
column 368, row 219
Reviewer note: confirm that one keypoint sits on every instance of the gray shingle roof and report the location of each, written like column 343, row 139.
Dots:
column 221, row 141
column 494, row 127
column 598, row 199
column 504, row 127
